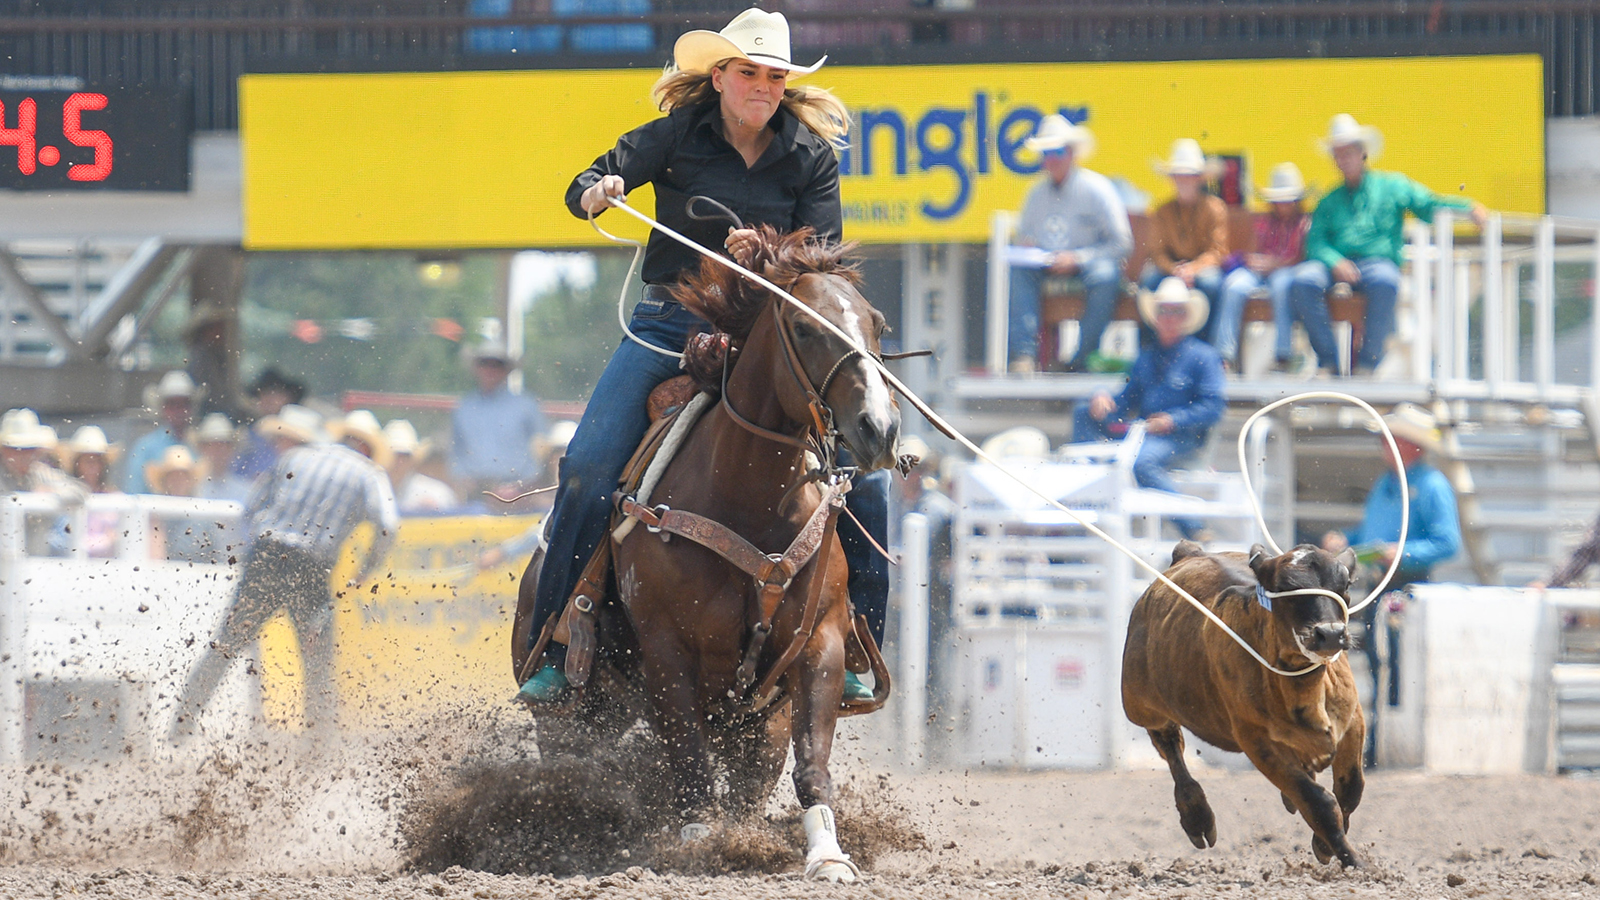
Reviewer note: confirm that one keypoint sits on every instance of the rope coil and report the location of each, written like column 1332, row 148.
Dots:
column 950, row 431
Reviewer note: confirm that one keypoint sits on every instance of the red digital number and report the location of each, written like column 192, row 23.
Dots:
column 72, row 129
column 22, row 136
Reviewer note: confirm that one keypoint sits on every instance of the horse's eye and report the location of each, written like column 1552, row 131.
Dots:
column 804, row 331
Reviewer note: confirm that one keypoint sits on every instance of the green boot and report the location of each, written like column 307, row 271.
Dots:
column 546, row 686
column 854, row 690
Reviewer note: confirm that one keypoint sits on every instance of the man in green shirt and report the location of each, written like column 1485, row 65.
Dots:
column 1355, row 238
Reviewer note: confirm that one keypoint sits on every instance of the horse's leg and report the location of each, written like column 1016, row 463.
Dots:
column 759, row 750
column 817, row 685
column 669, row 680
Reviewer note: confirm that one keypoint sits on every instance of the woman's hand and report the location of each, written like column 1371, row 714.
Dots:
column 594, row 200
column 741, row 245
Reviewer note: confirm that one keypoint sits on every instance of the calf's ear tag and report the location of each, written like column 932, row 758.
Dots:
column 1262, row 598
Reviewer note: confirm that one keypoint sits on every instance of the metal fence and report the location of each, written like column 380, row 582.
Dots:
column 206, row 46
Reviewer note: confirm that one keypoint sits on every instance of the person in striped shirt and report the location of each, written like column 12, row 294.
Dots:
column 298, row 517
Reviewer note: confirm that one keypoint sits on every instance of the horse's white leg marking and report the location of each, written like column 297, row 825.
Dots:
column 824, row 858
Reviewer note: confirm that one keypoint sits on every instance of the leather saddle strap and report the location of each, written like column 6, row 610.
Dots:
column 768, row 689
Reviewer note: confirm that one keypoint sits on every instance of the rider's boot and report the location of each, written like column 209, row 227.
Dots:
column 546, row 686
column 854, row 689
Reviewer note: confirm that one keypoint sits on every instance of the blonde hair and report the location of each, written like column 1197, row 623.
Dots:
column 816, row 107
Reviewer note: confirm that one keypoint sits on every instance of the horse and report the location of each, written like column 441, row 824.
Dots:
column 738, row 543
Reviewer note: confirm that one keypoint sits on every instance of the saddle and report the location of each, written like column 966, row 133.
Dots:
column 674, row 405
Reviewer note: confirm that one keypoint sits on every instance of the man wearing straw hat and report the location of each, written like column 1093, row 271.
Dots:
column 297, row 520
column 1433, row 532
column 1174, row 386
column 23, row 444
column 1280, row 246
column 175, row 404
column 1356, row 239
column 1189, row 233
column 1076, row 223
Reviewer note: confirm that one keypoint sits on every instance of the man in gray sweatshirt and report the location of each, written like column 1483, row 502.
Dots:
column 1076, row 218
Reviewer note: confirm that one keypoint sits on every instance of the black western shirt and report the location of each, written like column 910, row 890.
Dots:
column 794, row 184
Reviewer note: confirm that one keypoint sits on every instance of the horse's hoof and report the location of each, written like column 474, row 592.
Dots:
column 694, row 831
column 837, row 871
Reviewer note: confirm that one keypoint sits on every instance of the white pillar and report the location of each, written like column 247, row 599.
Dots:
column 913, row 637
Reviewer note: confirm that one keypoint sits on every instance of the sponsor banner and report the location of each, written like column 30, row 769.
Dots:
column 483, row 159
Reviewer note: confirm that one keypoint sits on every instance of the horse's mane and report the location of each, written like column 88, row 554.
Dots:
column 732, row 303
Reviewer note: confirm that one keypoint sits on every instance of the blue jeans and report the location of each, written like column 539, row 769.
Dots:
column 1101, row 279
column 1380, row 282
column 1157, row 454
column 1207, row 281
column 614, row 423
column 1236, row 289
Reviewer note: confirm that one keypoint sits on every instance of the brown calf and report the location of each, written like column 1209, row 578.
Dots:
column 1180, row 670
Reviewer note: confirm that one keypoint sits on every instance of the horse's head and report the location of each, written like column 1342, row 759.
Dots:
column 808, row 360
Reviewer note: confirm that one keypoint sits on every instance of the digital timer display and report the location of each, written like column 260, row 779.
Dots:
column 109, row 138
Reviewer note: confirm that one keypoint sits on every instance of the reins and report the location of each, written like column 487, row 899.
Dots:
column 945, row 428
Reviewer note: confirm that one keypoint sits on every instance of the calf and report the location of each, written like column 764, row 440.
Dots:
column 1180, row 670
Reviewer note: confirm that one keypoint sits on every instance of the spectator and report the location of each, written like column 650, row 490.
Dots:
column 181, row 537
column 1355, row 238
column 271, row 391
column 1433, row 535
column 1189, row 233
column 175, row 399
column 88, row 457
column 416, row 493
column 1280, row 246
column 23, row 444
column 360, row 431
column 1076, row 218
column 1175, row 386
column 493, row 430
column 1583, row 556
column 296, row 522
column 217, row 440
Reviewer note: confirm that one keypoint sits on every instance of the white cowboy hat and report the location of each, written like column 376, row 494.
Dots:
column 295, row 422
column 1410, row 422
column 1172, row 291
column 20, row 430
column 87, row 440
column 1286, row 184
column 176, row 458
column 1021, row 441
column 754, row 34
column 1055, row 132
column 403, row 438
column 176, row 383
column 1186, row 158
column 362, row 425
column 215, row 428
column 1344, row 129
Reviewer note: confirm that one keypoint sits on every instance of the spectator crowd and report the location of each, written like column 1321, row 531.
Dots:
column 1075, row 226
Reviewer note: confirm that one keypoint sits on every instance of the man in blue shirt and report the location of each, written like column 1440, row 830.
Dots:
column 1433, row 535
column 1175, row 386
column 175, row 398
column 493, row 429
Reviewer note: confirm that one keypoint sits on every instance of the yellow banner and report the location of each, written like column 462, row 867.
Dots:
column 483, row 159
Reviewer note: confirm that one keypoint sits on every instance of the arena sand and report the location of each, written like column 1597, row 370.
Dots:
column 395, row 815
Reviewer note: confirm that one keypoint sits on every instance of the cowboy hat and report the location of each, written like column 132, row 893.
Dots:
column 1286, row 184
column 176, row 458
column 215, row 428
column 176, row 383
column 403, row 438
column 362, row 425
column 1172, row 291
column 20, row 430
column 1055, row 132
column 271, row 379
column 1021, row 441
column 756, row 35
column 295, row 422
column 1186, row 158
column 87, row 440
column 1410, row 422
column 1344, row 129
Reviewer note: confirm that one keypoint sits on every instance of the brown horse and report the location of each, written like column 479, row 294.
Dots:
column 692, row 631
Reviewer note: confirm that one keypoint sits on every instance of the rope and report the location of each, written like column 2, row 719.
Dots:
column 950, row 431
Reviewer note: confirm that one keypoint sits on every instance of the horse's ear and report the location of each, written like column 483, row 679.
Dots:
column 769, row 271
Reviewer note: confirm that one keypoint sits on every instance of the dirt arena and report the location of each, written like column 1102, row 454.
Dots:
column 275, row 818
